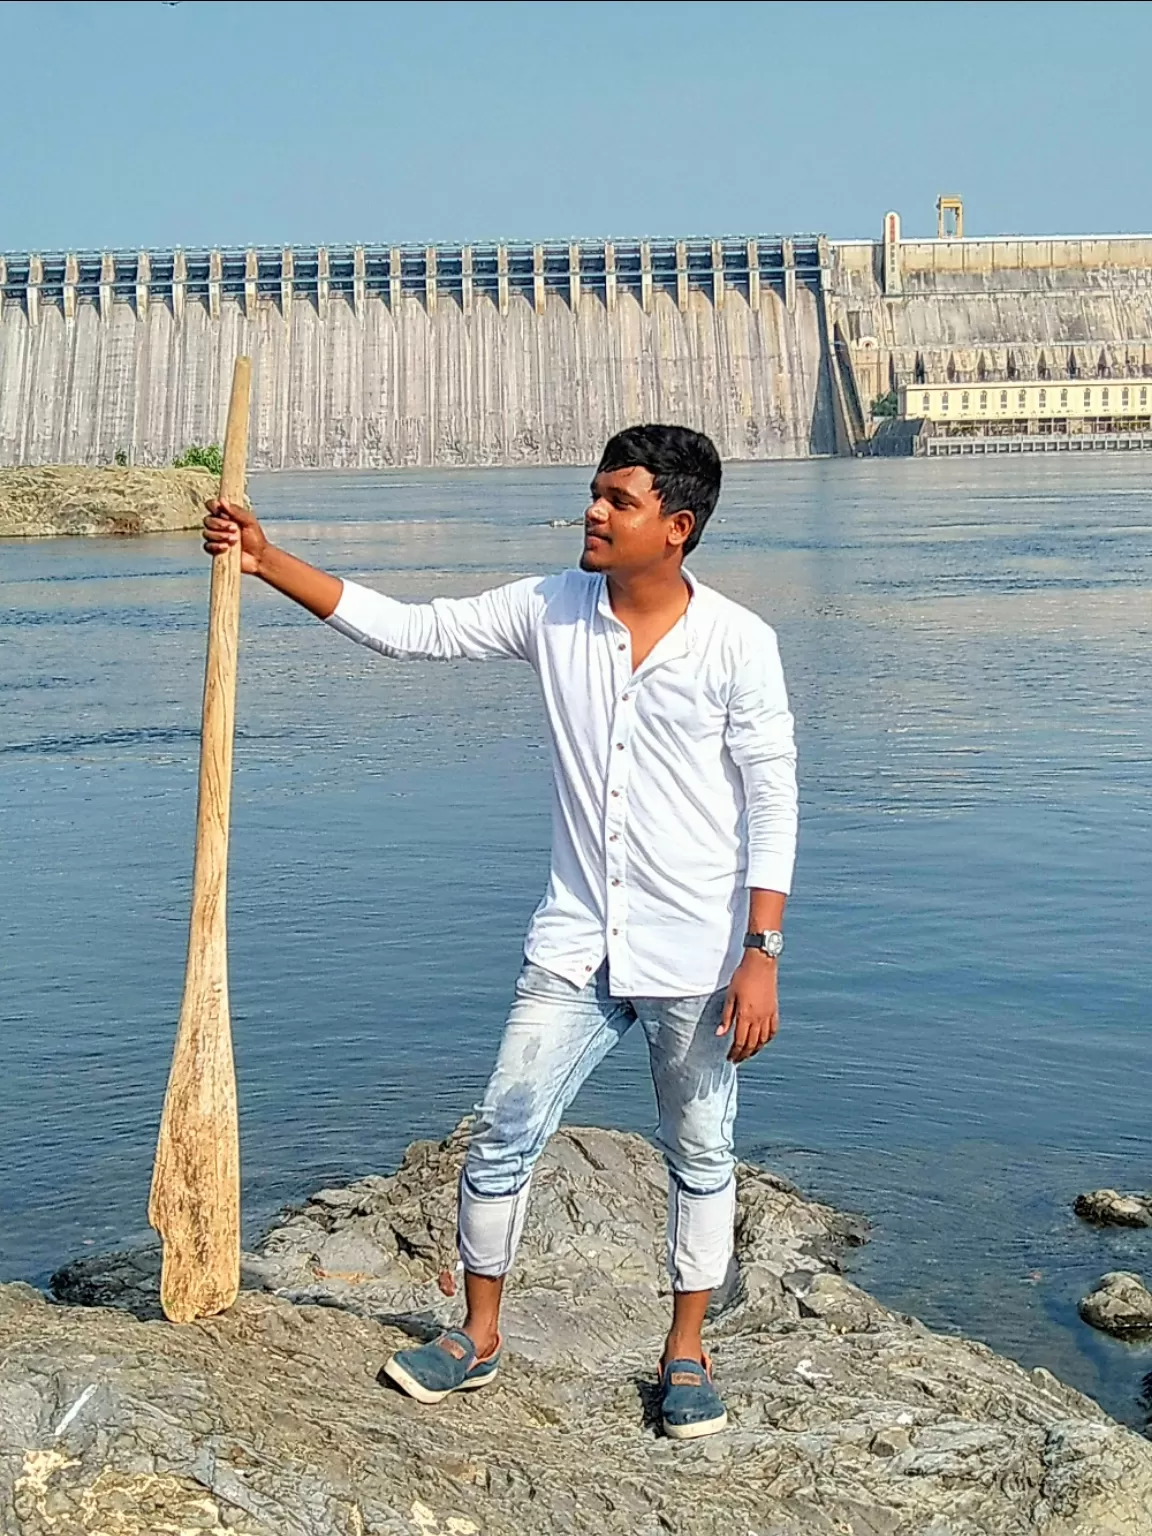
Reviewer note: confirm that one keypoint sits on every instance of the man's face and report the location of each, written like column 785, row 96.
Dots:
column 625, row 529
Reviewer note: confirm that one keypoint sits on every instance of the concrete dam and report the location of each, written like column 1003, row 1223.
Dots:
column 369, row 357
column 375, row 356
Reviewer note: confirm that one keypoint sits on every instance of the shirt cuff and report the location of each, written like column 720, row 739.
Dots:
column 770, row 872
column 352, row 615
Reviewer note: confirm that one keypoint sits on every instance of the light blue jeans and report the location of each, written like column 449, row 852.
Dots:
column 556, row 1035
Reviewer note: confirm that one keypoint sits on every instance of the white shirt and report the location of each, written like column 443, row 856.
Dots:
column 674, row 786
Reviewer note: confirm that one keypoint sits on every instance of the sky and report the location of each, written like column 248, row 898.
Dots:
column 213, row 123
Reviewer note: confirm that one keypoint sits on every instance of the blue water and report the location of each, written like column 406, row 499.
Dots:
column 966, row 1040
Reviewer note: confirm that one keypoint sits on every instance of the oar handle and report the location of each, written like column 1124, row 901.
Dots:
column 236, row 433
column 209, row 880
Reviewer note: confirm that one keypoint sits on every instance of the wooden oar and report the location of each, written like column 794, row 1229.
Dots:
column 195, row 1199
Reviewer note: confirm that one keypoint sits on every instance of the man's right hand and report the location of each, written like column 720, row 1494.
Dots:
column 227, row 525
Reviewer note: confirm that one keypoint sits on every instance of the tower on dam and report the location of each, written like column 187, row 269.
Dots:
column 371, row 356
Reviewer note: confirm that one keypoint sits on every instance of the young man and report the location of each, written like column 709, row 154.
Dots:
column 674, row 828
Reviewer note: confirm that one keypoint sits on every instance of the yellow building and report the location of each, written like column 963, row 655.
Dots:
column 1031, row 406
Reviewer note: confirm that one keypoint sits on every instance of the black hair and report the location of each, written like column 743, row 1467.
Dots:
column 684, row 466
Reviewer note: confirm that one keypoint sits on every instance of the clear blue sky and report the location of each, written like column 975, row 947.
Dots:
column 217, row 123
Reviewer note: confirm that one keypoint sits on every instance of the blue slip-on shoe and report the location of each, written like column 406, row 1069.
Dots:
column 689, row 1403
column 447, row 1364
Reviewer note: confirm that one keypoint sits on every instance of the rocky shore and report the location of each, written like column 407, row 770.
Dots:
column 272, row 1420
column 1119, row 1303
column 40, row 503
column 1110, row 1208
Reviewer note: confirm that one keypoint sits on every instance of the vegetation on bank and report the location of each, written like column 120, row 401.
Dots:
column 209, row 456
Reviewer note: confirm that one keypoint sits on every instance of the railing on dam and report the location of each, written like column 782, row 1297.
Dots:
column 463, row 273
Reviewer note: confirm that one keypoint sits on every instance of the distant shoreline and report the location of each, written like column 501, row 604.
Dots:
column 60, row 501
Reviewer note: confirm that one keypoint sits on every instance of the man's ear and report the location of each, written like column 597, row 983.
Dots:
column 680, row 526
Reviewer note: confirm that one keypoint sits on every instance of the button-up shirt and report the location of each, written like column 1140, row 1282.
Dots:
column 673, row 785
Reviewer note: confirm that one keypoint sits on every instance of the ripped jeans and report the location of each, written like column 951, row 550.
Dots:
column 555, row 1036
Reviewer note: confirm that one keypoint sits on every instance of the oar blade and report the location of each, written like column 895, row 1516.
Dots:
column 195, row 1199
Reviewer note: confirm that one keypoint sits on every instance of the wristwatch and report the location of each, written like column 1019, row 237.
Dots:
column 771, row 942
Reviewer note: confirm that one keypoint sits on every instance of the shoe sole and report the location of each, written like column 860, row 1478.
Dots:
column 422, row 1394
column 696, row 1431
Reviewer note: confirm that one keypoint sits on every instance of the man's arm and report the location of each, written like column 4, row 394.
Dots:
column 227, row 525
column 493, row 625
column 760, row 738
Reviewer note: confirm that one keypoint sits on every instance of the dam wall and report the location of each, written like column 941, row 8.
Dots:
column 372, row 356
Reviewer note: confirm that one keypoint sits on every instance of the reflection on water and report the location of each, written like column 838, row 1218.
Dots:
column 965, row 1041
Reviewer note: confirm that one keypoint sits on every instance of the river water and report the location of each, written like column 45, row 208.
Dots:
column 966, row 1039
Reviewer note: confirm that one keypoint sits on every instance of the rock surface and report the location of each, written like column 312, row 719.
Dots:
column 35, row 503
column 1109, row 1208
column 1120, row 1303
column 846, row 1419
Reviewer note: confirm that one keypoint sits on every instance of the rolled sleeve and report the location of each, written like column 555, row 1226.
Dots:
column 495, row 625
column 761, row 741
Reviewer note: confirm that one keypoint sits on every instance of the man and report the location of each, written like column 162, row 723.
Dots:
column 674, row 826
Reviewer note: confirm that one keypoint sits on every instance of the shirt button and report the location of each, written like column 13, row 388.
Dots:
column 615, row 933
column 619, row 746
column 622, row 646
column 614, row 837
column 615, row 882
column 615, row 794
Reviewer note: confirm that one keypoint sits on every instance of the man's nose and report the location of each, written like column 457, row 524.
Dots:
column 598, row 511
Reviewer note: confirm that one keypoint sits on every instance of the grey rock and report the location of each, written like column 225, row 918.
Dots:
column 841, row 1306
column 1120, row 1303
column 38, row 503
column 270, row 1420
column 1109, row 1208
column 890, row 1442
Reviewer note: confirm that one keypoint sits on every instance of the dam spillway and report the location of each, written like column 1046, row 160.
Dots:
column 380, row 356
column 376, row 356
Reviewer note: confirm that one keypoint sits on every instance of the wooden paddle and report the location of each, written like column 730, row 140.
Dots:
column 195, row 1199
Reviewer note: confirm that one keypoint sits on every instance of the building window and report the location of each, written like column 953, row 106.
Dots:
column 1003, row 399
column 1144, row 396
column 1087, row 398
column 1043, row 399
column 1104, row 400
column 964, row 401
column 983, row 399
column 1022, row 399
column 1124, row 399
column 944, row 401
column 927, row 406
column 1063, row 399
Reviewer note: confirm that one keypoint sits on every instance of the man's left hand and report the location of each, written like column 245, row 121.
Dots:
column 751, row 1012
